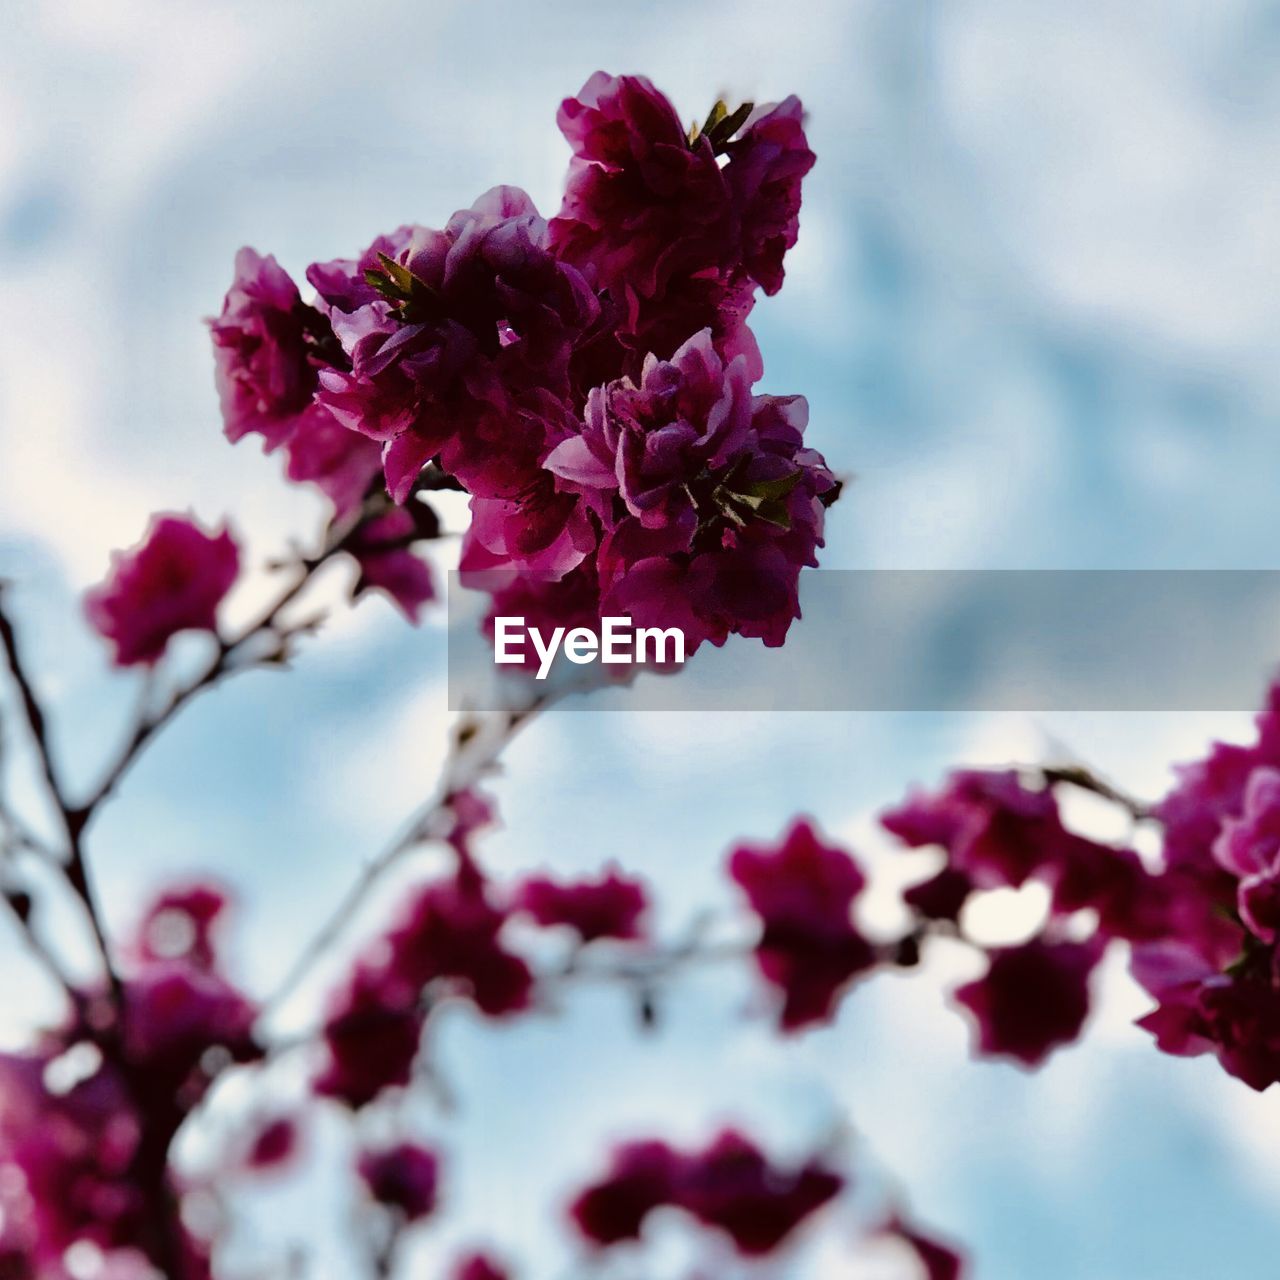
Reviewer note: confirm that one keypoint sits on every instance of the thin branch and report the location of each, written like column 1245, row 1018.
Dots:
column 220, row 666
column 1077, row 775
column 72, row 819
column 474, row 751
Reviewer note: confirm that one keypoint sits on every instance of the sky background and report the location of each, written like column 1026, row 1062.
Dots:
column 1034, row 308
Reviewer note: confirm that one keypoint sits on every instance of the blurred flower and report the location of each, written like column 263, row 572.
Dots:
column 729, row 1185
column 1032, row 998
column 173, row 581
column 404, row 1177
column 479, row 1266
column 803, row 891
column 382, row 549
column 273, row 1145
column 609, row 906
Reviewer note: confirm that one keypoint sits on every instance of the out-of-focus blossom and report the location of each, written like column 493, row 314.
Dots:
column 940, row 1261
column 273, row 1144
column 371, row 1035
column 479, row 1266
column 803, row 890
column 340, row 462
column 382, row 547
column 609, row 906
column 729, row 1185
column 173, row 581
column 1032, row 998
column 404, row 1177
column 184, row 923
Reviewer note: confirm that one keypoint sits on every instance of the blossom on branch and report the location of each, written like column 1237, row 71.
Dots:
column 173, row 581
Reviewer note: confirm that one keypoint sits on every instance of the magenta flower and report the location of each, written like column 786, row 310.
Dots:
column 710, row 504
column 382, row 549
column 999, row 832
column 940, row 1261
column 341, row 463
column 610, row 906
column 404, row 1177
column 1032, row 998
column 766, row 167
column 464, row 355
column 478, row 1266
column 729, row 1185
column 263, row 345
column 1249, row 848
column 174, row 1014
column 371, row 1034
column 449, row 935
column 183, row 923
column 173, row 581
column 76, row 1152
column 803, row 891
column 274, row 1144
column 648, row 216
column 642, row 1177
column 732, row 1186
column 542, row 531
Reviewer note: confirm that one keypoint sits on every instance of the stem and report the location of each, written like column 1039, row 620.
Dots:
column 472, row 753
column 219, row 667
column 1078, row 775
column 72, row 819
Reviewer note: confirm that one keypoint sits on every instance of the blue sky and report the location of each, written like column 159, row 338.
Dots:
column 1034, row 308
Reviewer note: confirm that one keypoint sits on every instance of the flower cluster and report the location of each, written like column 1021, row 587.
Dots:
column 1201, row 922
column 587, row 381
column 729, row 1185
column 87, row 1117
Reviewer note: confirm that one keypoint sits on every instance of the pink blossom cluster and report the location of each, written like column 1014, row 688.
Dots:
column 587, row 380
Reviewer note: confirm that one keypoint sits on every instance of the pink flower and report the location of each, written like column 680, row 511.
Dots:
column 709, row 502
column 382, row 550
column 449, row 934
column 940, row 1262
column 803, row 891
column 340, row 462
column 648, row 216
column 183, row 923
column 478, row 1266
column 273, row 1145
column 263, row 347
column 642, row 1177
column 998, row 832
column 766, row 167
column 464, row 356
column 542, row 531
column 1032, row 998
column 173, row 581
column 174, row 1014
column 371, row 1034
column 1249, row 848
column 729, row 1185
column 610, row 906
column 404, row 1177
column 732, row 1186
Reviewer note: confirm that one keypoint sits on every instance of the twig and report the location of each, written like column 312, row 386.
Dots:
column 71, row 818
column 473, row 752
column 1085, row 779
column 218, row 668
